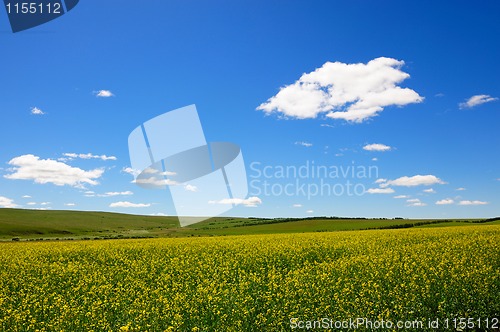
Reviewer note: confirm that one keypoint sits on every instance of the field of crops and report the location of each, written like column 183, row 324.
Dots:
column 250, row 283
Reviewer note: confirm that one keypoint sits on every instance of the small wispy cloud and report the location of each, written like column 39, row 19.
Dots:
column 125, row 204
column 429, row 191
column 297, row 205
column 249, row 202
column 415, row 202
column 306, row 144
column 446, row 201
column 412, row 181
column 190, row 187
column 380, row 191
column 472, row 203
column 377, row 147
column 156, row 182
column 401, row 196
column 70, row 156
column 103, row 93
column 116, row 193
column 131, row 171
column 476, row 100
column 37, row 111
column 41, row 203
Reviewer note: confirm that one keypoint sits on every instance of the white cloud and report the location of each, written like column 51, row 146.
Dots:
column 476, row 100
column 190, row 187
column 472, row 203
column 70, row 204
column 306, row 144
column 103, row 93
column 37, row 111
column 380, row 191
column 26, row 196
column 89, row 193
column 249, row 202
column 131, row 171
column 374, row 159
column 401, row 196
column 327, row 125
column 88, row 156
column 129, row 205
column 412, row 181
column 30, row 167
column 154, row 171
column 7, row 202
column 136, row 172
column 116, row 193
column 156, row 182
column 380, row 180
column 151, row 171
column 460, row 189
column 445, row 201
column 309, row 211
column 377, row 147
column 353, row 92
column 297, row 205
column 42, row 203
column 415, row 202
column 429, row 191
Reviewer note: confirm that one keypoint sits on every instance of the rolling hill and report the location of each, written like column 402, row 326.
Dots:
column 25, row 224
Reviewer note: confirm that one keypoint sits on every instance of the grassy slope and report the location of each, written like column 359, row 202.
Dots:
column 34, row 223
column 27, row 224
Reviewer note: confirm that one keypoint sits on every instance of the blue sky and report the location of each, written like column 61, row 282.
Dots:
column 410, row 89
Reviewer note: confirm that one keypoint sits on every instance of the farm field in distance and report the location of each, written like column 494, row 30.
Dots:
column 34, row 224
column 253, row 282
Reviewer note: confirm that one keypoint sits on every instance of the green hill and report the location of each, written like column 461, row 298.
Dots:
column 35, row 224
column 42, row 224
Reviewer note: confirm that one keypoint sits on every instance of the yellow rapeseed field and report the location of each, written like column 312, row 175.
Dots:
column 251, row 283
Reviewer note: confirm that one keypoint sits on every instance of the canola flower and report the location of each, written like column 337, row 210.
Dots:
column 249, row 283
